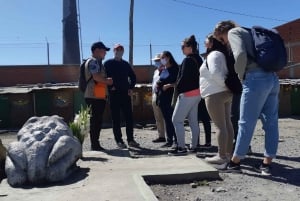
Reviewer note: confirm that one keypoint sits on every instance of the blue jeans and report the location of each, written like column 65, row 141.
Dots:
column 259, row 100
column 186, row 107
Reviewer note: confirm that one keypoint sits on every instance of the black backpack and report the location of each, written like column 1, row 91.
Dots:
column 232, row 81
column 269, row 49
column 82, row 82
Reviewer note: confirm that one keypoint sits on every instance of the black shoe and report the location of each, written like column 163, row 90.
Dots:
column 207, row 145
column 264, row 169
column 193, row 150
column 178, row 152
column 160, row 139
column 232, row 167
column 97, row 148
column 121, row 145
column 133, row 144
column 168, row 144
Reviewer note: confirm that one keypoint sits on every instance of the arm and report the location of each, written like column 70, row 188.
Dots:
column 132, row 77
column 186, row 71
column 171, row 79
column 217, row 67
column 239, row 52
column 98, row 76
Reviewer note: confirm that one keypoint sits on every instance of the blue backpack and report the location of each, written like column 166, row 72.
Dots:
column 269, row 49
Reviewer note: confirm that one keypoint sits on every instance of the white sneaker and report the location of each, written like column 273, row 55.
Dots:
column 216, row 160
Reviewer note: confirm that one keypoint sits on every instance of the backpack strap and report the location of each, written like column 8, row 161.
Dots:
column 86, row 65
column 252, row 58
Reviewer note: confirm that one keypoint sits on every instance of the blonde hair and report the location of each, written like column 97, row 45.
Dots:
column 223, row 27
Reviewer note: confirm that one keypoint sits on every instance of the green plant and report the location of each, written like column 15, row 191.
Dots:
column 81, row 124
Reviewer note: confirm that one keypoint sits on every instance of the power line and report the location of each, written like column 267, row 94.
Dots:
column 226, row 11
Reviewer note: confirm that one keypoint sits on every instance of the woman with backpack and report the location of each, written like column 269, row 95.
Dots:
column 259, row 96
column 217, row 96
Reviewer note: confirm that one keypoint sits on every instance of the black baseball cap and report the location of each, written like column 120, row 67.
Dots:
column 99, row 45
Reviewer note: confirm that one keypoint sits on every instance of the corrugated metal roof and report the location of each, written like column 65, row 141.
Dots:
column 29, row 88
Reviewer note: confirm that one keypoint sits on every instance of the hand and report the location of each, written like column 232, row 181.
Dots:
column 130, row 92
column 109, row 81
column 167, row 86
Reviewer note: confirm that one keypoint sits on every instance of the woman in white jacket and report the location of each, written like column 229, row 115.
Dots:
column 217, row 96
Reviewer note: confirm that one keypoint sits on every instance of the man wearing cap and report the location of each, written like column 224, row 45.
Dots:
column 120, row 95
column 95, row 69
column 159, row 119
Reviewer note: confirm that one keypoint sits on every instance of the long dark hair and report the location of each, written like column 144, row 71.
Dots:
column 218, row 46
column 191, row 42
column 171, row 58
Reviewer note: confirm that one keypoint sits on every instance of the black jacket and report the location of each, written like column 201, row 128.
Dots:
column 188, row 75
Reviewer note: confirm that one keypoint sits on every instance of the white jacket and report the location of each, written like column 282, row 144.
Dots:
column 212, row 77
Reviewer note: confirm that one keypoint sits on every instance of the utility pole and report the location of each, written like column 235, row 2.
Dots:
column 71, row 50
column 131, row 32
column 150, row 54
column 48, row 57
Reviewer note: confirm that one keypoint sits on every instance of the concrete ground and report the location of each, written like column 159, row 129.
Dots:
column 114, row 175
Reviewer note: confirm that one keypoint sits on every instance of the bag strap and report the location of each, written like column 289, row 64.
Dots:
column 206, row 63
column 86, row 65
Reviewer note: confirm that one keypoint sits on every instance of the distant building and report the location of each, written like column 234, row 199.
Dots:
column 290, row 32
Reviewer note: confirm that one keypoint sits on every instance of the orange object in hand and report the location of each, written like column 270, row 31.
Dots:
column 100, row 90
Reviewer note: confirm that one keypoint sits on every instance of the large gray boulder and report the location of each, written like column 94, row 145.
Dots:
column 2, row 160
column 46, row 151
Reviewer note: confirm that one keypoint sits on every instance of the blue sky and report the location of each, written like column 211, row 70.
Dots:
column 27, row 25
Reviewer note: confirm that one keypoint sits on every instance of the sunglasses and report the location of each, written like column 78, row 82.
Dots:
column 183, row 46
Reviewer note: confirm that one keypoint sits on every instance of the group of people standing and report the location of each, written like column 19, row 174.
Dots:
column 179, row 89
column 234, row 114
column 119, row 80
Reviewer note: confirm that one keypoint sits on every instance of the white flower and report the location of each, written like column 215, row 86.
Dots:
column 81, row 124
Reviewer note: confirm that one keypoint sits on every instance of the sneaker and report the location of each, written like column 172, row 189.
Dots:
column 178, row 152
column 207, row 145
column 232, row 167
column 97, row 148
column 121, row 145
column 193, row 150
column 133, row 144
column 160, row 139
column 216, row 160
column 174, row 146
column 265, row 169
column 168, row 144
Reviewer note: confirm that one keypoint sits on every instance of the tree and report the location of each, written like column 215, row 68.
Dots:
column 131, row 32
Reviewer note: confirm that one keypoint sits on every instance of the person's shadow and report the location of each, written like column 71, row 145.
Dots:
column 280, row 172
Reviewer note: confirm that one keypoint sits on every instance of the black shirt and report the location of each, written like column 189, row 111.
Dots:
column 120, row 71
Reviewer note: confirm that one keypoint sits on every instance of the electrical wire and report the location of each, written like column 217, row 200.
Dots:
column 226, row 11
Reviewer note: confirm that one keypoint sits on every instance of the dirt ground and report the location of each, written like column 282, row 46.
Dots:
column 283, row 185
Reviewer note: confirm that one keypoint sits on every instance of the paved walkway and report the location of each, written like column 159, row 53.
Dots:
column 114, row 177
